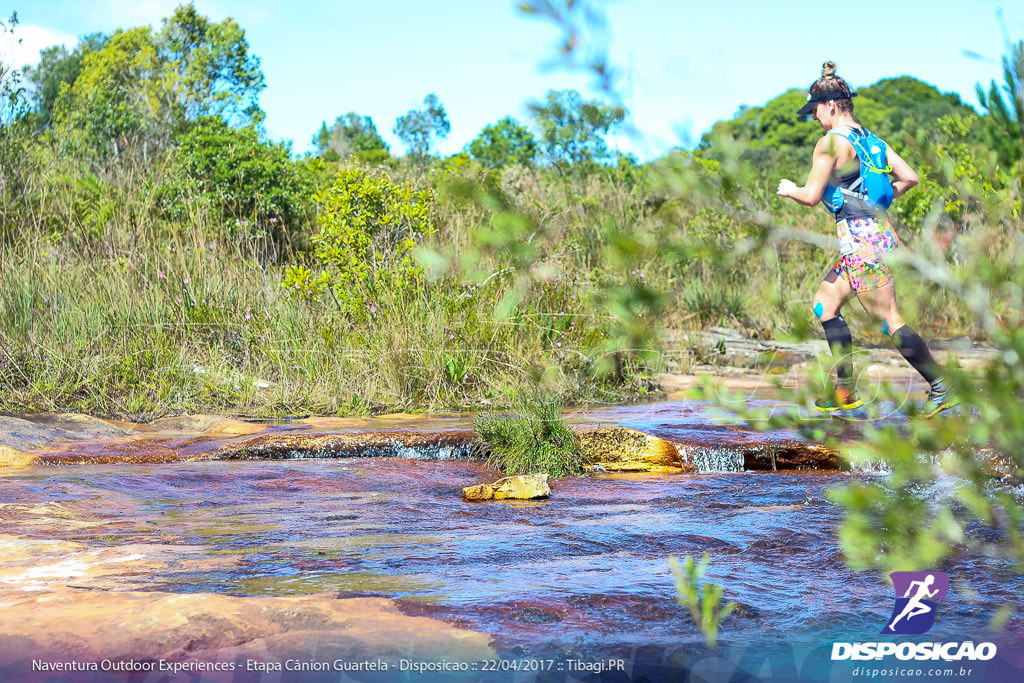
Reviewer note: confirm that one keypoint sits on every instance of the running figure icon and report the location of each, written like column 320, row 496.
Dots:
column 915, row 607
column 917, row 595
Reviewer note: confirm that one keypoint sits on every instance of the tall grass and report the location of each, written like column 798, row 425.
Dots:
column 109, row 306
column 533, row 440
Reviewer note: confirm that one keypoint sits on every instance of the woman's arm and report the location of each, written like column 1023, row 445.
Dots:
column 822, row 165
column 903, row 177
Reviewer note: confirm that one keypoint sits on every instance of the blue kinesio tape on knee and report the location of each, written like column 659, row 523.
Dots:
column 818, row 309
column 885, row 327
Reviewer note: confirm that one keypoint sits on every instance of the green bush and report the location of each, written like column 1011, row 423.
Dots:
column 243, row 179
column 369, row 225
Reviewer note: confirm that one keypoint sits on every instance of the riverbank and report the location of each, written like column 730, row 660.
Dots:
column 695, row 432
column 733, row 361
column 749, row 369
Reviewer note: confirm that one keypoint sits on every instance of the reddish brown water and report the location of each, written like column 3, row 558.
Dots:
column 583, row 572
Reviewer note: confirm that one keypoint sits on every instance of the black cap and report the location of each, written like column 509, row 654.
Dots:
column 814, row 98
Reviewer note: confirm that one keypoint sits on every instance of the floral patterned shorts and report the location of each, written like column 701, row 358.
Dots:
column 865, row 244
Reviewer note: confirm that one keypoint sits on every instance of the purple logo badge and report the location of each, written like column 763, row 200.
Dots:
column 917, row 594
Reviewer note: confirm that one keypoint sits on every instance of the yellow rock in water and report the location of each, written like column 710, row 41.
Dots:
column 628, row 450
column 522, row 486
column 478, row 492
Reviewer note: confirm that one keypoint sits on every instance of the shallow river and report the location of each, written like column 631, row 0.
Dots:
column 584, row 572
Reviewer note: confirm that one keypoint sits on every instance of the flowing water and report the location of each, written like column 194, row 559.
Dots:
column 584, row 572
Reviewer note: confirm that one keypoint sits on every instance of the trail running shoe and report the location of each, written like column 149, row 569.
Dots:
column 939, row 401
column 842, row 399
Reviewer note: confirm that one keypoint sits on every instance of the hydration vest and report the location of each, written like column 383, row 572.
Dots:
column 873, row 186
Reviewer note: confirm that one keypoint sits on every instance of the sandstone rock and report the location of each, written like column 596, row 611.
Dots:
column 665, row 469
column 522, row 487
column 12, row 457
column 206, row 424
column 333, row 423
column 1001, row 465
column 16, row 549
column 628, row 450
column 119, row 625
column 82, row 426
column 519, row 487
column 26, row 435
column 71, row 563
column 790, row 455
column 478, row 492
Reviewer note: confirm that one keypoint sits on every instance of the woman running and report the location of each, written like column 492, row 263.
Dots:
column 856, row 176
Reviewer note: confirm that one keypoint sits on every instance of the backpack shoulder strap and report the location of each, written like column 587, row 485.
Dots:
column 851, row 136
column 855, row 138
column 861, row 141
column 843, row 132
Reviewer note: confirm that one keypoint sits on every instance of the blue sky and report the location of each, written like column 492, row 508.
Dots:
column 685, row 64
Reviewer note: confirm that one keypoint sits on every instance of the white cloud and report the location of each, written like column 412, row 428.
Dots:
column 23, row 46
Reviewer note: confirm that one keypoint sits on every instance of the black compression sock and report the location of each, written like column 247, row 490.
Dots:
column 917, row 354
column 840, row 341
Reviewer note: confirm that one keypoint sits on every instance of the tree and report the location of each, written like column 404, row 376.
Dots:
column 119, row 98
column 1006, row 116
column 13, row 108
column 350, row 134
column 773, row 138
column 141, row 88
column 420, row 127
column 504, row 143
column 572, row 128
column 57, row 66
column 777, row 142
column 12, row 89
column 898, row 108
column 213, row 73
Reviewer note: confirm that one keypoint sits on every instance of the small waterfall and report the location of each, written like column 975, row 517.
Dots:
column 712, row 459
column 437, row 451
column 862, row 464
column 870, row 468
column 451, row 445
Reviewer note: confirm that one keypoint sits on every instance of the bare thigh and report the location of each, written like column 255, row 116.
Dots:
column 832, row 294
column 881, row 303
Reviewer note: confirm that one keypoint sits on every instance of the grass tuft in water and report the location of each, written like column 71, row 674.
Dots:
column 534, row 440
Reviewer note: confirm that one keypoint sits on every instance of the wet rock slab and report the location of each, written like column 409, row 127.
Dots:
column 70, row 439
column 87, row 625
column 442, row 445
